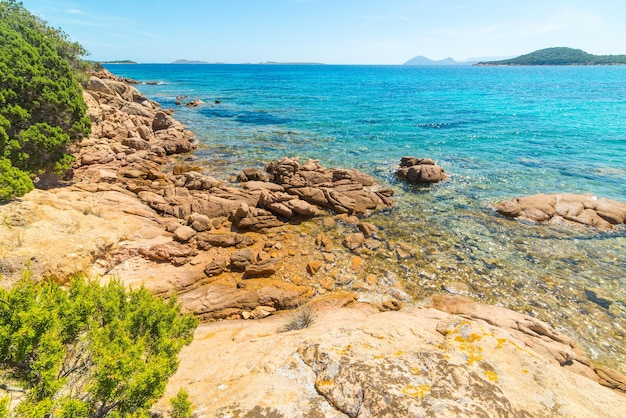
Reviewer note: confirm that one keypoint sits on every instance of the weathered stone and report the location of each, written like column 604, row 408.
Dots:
column 184, row 233
column 206, row 240
column 354, row 241
column 171, row 252
column 327, row 283
column 136, row 143
column 372, row 244
column 104, row 176
column 162, row 121
column 215, row 268
column 313, row 267
column 355, row 263
column 342, row 191
column 194, row 103
column 263, row 268
column 568, row 209
column 241, row 259
column 197, row 181
column 368, row 229
column 262, row 312
column 418, row 170
column 263, row 185
column 302, row 208
column 133, row 174
column 199, row 222
column 253, row 219
column 213, row 206
column 612, row 379
column 251, row 174
column 96, row 84
column 324, row 242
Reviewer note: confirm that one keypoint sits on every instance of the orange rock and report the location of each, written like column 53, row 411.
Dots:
column 327, row 283
column 313, row 267
column 356, row 262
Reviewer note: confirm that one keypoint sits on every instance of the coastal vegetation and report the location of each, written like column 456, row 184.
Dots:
column 561, row 56
column 76, row 349
column 89, row 350
column 42, row 111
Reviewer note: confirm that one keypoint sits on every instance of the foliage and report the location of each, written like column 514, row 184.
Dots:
column 41, row 106
column 14, row 14
column 561, row 56
column 13, row 181
column 4, row 407
column 89, row 350
column 181, row 405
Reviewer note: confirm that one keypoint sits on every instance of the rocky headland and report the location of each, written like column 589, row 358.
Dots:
column 259, row 252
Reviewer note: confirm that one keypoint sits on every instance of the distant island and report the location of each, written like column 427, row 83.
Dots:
column 189, row 62
column 421, row 60
column 560, row 56
column 119, row 62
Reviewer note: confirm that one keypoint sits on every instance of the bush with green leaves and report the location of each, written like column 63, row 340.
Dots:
column 42, row 110
column 181, row 405
column 89, row 350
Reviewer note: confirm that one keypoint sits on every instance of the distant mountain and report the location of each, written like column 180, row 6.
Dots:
column 560, row 56
column 189, row 62
column 422, row 60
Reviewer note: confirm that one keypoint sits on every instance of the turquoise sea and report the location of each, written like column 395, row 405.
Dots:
column 499, row 132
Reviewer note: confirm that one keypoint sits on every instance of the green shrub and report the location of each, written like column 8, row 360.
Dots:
column 181, row 405
column 111, row 350
column 42, row 110
column 4, row 407
column 13, row 181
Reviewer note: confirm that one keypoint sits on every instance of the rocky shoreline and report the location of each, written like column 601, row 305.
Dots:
column 138, row 209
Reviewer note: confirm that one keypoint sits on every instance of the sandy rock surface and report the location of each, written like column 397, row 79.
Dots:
column 356, row 361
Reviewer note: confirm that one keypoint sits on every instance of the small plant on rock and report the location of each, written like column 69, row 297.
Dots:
column 303, row 317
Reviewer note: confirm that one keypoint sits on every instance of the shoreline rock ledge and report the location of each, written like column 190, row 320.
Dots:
column 452, row 357
column 577, row 210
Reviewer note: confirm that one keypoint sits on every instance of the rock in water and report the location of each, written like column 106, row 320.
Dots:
column 420, row 170
column 564, row 208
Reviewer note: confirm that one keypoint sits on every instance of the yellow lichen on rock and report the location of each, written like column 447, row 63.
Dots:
column 417, row 391
column 493, row 376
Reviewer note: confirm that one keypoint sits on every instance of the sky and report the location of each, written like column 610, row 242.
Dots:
column 333, row 31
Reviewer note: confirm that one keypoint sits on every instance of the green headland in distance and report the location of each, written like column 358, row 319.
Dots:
column 560, row 56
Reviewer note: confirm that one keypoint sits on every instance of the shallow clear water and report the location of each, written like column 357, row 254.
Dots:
column 499, row 132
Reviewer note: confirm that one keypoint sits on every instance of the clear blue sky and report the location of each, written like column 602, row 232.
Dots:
column 333, row 31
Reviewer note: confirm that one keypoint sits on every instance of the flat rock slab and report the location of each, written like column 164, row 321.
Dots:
column 356, row 361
